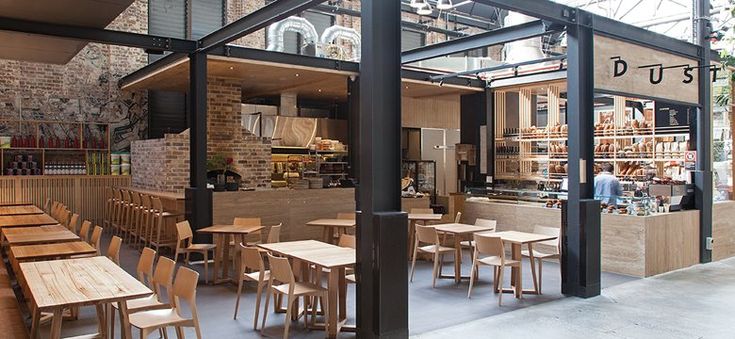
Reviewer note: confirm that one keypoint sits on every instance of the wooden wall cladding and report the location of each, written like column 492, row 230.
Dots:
column 635, row 80
column 723, row 230
column 82, row 194
column 430, row 112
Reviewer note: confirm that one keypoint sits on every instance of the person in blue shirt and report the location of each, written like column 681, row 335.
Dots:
column 607, row 186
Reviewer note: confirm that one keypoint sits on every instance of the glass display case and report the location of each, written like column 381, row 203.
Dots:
column 629, row 205
column 516, row 195
column 421, row 175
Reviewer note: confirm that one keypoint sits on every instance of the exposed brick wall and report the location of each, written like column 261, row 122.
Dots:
column 85, row 89
column 161, row 164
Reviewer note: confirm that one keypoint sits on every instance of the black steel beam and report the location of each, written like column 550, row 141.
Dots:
column 382, row 235
column 104, row 36
column 480, row 40
column 414, row 74
column 703, row 174
column 581, row 260
column 198, row 196
column 286, row 58
column 261, row 18
column 542, row 9
column 444, row 77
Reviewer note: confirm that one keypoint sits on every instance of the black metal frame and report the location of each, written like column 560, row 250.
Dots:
column 381, row 269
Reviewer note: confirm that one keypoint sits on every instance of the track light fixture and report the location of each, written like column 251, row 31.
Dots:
column 444, row 4
column 425, row 10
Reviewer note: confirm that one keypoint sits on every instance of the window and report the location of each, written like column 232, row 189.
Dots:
column 412, row 39
column 206, row 17
column 169, row 18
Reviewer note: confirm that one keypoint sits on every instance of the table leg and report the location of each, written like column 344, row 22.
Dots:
column 516, row 277
column 342, row 294
column 56, row 323
column 532, row 260
column 101, row 321
column 217, row 256
column 325, row 234
column 124, row 321
column 333, row 294
column 35, row 322
column 457, row 259
column 226, row 257
column 411, row 231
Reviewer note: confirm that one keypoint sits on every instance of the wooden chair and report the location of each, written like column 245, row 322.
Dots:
column 117, row 209
column 74, row 223
column 146, row 215
column 348, row 241
column 113, row 250
column 253, row 238
column 346, row 216
column 184, row 245
column 96, row 238
column 274, row 234
column 47, row 206
column 495, row 251
column 252, row 268
column 144, row 270
column 108, row 208
column 161, row 280
column 458, row 218
column 160, row 236
column 422, row 211
column 281, row 273
column 123, row 224
column 480, row 222
column 63, row 217
column 84, row 230
column 184, row 288
column 134, row 218
column 428, row 235
column 552, row 250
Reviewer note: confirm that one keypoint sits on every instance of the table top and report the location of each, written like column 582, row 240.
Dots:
column 230, row 229
column 20, row 203
column 62, row 249
column 333, row 222
column 39, row 235
column 455, row 228
column 314, row 252
column 26, row 220
column 76, row 282
column 21, row 209
column 424, row 216
column 522, row 237
column 33, row 229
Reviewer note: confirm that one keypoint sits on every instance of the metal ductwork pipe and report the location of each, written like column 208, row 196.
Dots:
column 290, row 24
column 340, row 32
column 523, row 50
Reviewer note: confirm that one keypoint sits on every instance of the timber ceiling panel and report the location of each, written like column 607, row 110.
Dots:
column 39, row 48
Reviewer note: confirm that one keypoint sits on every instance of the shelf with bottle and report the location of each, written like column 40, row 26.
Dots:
column 22, row 163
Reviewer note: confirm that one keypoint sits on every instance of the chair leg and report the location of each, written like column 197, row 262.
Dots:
column 500, row 283
column 179, row 332
column 265, row 311
column 239, row 292
column 495, row 279
column 413, row 262
column 472, row 278
column 540, row 262
column 257, row 305
column 533, row 273
column 436, row 269
column 206, row 266
column 287, row 323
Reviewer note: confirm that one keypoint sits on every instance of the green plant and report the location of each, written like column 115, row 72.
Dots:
column 218, row 162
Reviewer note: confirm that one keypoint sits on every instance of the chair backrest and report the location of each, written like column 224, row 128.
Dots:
column 251, row 258
column 54, row 209
column 145, row 201
column 281, row 270
column 63, row 217
column 346, row 216
column 347, row 240
column 84, row 230
column 489, row 245
column 239, row 221
column 163, row 277
column 74, row 223
column 117, row 193
column 113, row 251
column 274, row 234
column 183, row 230
column 156, row 204
column 47, row 206
column 185, row 287
column 458, row 217
column 144, row 270
column 552, row 231
column 487, row 223
column 95, row 240
column 134, row 198
column 427, row 234
column 422, row 211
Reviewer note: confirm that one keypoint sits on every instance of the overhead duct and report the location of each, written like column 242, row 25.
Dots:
column 340, row 32
column 523, row 50
column 291, row 24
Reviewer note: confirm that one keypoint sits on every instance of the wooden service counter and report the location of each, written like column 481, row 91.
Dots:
column 293, row 208
column 631, row 245
column 723, row 230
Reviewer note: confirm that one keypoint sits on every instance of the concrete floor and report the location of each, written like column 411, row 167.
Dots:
column 430, row 308
column 691, row 303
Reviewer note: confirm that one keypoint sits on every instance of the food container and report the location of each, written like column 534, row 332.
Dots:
column 124, row 158
column 115, row 159
column 115, row 169
column 125, row 169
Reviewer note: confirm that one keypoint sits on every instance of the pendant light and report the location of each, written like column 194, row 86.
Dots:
column 444, row 4
column 418, row 3
column 425, row 10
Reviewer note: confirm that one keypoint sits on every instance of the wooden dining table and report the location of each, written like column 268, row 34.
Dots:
column 413, row 219
column 55, row 285
column 20, row 210
column 17, row 203
column 48, row 234
column 50, row 251
column 329, row 226
column 222, row 235
column 26, row 220
column 517, row 240
column 323, row 255
column 459, row 232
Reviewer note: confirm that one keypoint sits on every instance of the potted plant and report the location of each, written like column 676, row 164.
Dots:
column 221, row 164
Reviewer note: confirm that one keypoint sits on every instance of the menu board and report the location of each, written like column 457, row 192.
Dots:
column 670, row 115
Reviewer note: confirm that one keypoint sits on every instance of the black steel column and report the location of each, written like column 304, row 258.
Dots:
column 703, row 174
column 382, row 233
column 353, row 125
column 472, row 114
column 490, row 132
column 198, row 197
column 581, row 242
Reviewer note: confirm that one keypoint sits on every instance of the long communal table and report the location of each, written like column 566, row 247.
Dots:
column 47, row 234
column 20, row 210
column 26, row 220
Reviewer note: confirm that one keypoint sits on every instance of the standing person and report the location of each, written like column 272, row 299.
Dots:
column 607, row 185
